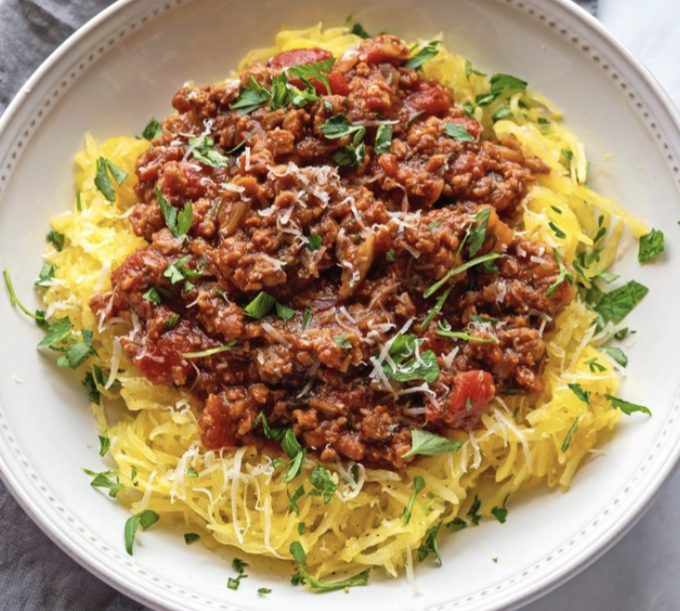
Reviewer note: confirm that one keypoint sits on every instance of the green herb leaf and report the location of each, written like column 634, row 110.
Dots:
column 314, row 70
column 342, row 341
column 263, row 591
column 458, row 133
column 153, row 296
column 469, row 70
column 324, row 586
column 567, row 440
column 350, row 156
column 232, row 345
column 583, row 395
column 104, row 445
column 594, row 366
column 358, row 30
column 456, row 524
column 402, row 370
column 501, row 113
column 279, row 91
column 77, row 353
column 315, row 242
column 283, row 312
column 57, row 332
column 295, row 465
column 307, row 317
column 431, row 545
column 292, row 500
column 390, row 255
column 323, row 484
column 301, row 527
column 558, row 232
column 234, row 582
column 239, row 565
column 56, row 239
column 424, row 443
column 152, row 130
column 103, row 480
column 171, row 322
column 298, row 553
column 184, row 220
column 38, row 316
column 626, row 407
column 473, row 512
column 459, row 270
column 251, row 97
column 617, row 304
column 190, row 538
column 607, row 277
column 564, row 274
column 500, row 513
column 651, row 246
column 616, row 354
column 478, row 233
column 425, row 54
column 506, row 83
column 145, row 519
column 439, row 304
column 259, row 307
column 383, row 140
column 418, row 485
column 45, row 276
column 338, row 127
column 466, row 337
column 102, row 180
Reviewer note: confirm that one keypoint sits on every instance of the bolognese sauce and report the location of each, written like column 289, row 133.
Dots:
column 334, row 247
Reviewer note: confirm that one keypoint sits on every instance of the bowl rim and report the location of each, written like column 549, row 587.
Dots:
column 157, row 597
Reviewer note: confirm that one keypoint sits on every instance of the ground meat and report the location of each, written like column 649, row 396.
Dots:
column 348, row 349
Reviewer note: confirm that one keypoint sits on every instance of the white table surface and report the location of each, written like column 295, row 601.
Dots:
column 642, row 573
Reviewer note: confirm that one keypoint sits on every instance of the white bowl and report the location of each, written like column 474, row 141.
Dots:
column 122, row 68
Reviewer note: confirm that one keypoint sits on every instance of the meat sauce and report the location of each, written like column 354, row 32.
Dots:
column 346, row 250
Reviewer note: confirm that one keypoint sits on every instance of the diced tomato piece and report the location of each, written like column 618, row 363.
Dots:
column 162, row 361
column 388, row 162
column 472, row 392
column 295, row 57
column 431, row 98
column 471, row 126
column 383, row 50
column 339, row 85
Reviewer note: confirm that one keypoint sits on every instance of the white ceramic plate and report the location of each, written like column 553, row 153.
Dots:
column 122, row 68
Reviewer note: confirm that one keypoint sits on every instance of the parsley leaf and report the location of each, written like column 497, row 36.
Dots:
column 45, row 276
column 145, row 519
column 501, row 113
column 292, row 500
column 421, row 367
column 103, row 480
column 259, row 307
column 342, row 341
column 418, row 485
column 567, row 440
column 651, row 246
column 469, row 70
column 500, row 513
column 445, row 331
column 458, row 133
column 594, row 366
column 577, row 389
column 459, row 270
column 56, row 239
column 232, row 345
column 298, row 553
column 315, row 242
column 616, row 354
column 439, row 304
column 283, row 312
column 505, row 82
column 478, row 233
column 564, row 274
column 473, row 512
column 323, row 484
column 314, row 70
column 615, row 305
column 557, row 231
column 456, row 524
column 251, row 97
column 104, row 444
column 431, row 545
column 102, row 180
column 307, row 317
column 424, row 443
column 190, row 538
column 279, row 91
column 152, row 130
column 38, row 316
column 202, row 151
column 358, row 30
column 626, row 407
column 153, row 296
column 264, row 591
column 425, row 54
column 234, row 582
column 383, row 140
column 350, row 156
column 338, row 126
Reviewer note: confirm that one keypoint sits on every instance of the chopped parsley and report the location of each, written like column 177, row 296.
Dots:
column 102, row 180
column 45, row 276
column 342, row 341
column 583, row 395
column 314, row 70
column 444, row 330
column 425, row 54
column 615, row 305
column 567, row 440
column 338, row 127
column 104, row 480
column 478, row 233
column 190, row 538
column 104, row 444
column 323, row 484
column 38, row 315
column 506, row 83
column 390, row 255
column 616, row 354
column 383, row 140
column 458, row 133
column 145, row 519
column 178, row 272
column 557, row 231
column 595, row 366
column 292, row 500
column 232, row 345
column 473, row 512
column 307, row 317
column 298, row 553
column 264, row 591
column 435, row 310
column 251, row 97
column 192, row 473
column 564, row 274
column 431, row 545
column 315, row 242
column 418, row 485
column 260, row 306
column 172, row 321
column 651, row 246
column 399, row 367
column 501, row 113
column 350, row 156
column 92, row 381
column 152, row 130
column 56, row 239
column 627, row 407
column 469, row 70
column 456, row 524
column 501, row 513
column 424, row 443
column 459, row 270
column 153, row 296
column 358, row 30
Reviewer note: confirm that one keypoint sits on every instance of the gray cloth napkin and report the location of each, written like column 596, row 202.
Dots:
column 34, row 574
